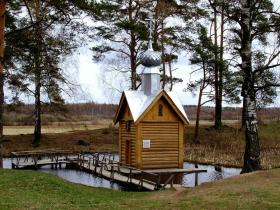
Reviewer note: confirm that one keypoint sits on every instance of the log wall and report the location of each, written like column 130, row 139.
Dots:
column 128, row 136
column 164, row 150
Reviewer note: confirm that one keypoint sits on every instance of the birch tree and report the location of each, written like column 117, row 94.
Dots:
column 254, row 23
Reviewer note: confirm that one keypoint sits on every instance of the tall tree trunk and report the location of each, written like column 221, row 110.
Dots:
column 132, row 46
column 218, row 103
column 2, row 47
column 243, row 119
column 37, row 73
column 163, row 56
column 252, row 150
column 133, row 62
column 171, row 75
column 198, row 110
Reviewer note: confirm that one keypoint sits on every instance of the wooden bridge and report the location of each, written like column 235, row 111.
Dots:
column 101, row 164
column 36, row 159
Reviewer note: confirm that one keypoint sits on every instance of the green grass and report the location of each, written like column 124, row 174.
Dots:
column 35, row 190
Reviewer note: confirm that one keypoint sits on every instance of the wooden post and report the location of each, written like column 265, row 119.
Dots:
column 89, row 163
column 196, row 176
column 112, row 171
column 101, row 168
column 158, row 182
column 95, row 163
column 129, row 175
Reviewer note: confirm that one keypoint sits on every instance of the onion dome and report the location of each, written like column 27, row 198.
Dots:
column 150, row 58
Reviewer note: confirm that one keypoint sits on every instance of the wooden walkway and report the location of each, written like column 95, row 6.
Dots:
column 101, row 164
column 38, row 158
column 113, row 170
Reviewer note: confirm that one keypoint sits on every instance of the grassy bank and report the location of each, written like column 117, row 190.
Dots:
column 35, row 190
column 225, row 147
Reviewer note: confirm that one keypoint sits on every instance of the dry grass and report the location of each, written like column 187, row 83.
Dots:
column 225, row 147
column 58, row 127
column 259, row 190
column 105, row 140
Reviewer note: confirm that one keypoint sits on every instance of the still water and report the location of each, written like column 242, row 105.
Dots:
column 84, row 178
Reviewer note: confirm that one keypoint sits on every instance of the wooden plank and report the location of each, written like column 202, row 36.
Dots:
column 175, row 170
column 167, row 112
column 119, row 177
column 159, row 166
column 138, row 146
column 164, row 151
column 181, row 143
column 120, row 142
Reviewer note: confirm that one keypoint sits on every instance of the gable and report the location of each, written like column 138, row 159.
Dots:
column 174, row 103
column 123, row 112
column 165, row 114
column 140, row 104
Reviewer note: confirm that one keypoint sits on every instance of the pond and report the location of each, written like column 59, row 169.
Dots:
column 84, row 178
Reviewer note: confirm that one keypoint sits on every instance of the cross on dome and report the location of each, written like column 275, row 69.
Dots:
column 150, row 58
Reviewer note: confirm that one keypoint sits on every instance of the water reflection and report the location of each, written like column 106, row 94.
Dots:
column 84, row 178
column 211, row 175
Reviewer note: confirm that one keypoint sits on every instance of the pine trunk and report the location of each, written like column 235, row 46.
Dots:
column 252, row 149
column 171, row 75
column 198, row 110
column 218, row 102
column 133, row 68
column 37, row 75
column 133, row 61
column 196, row 131
column 38, row 123
column 2, row 47
column 163, row 57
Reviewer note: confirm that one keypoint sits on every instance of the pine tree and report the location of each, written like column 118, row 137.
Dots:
column 36, row 52
column 121, row 34
column 253, row 22
column 203, row 57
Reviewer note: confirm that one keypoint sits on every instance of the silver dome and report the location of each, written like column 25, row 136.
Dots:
column 150, row 58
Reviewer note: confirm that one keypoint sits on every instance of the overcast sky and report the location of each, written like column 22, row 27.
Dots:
column 101, row 86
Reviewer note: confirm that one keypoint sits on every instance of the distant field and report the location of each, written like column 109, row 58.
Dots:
column 62, row 127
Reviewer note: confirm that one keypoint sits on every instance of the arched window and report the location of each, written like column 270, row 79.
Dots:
column 160, row 110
